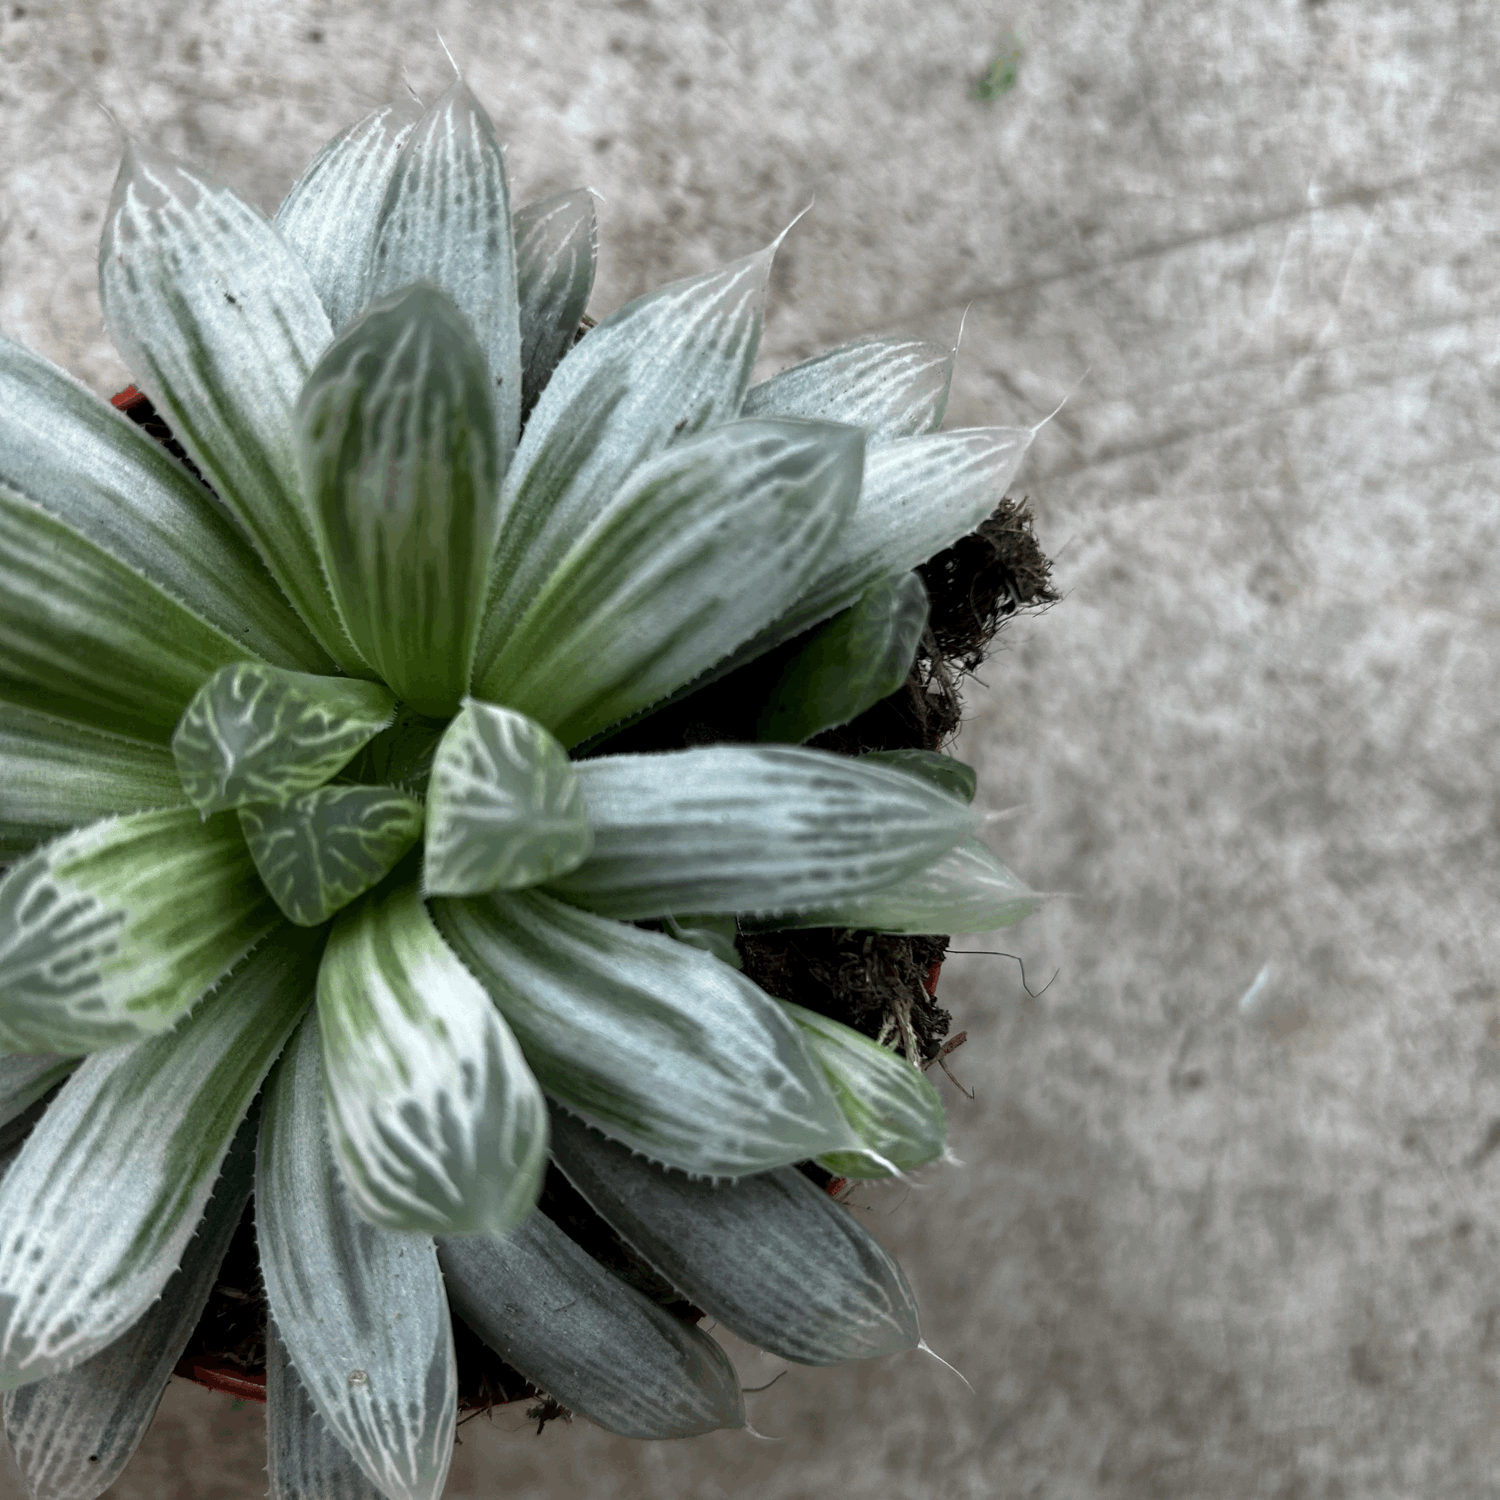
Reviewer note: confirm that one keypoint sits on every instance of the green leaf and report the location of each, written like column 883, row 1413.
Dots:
column 773, row 1258
column 504, row 808
column 258, row 734
column 399, row 462
column 446, row 219
column 952, row 776
column 891, row 387
column 556, row 245
column 892, row 1108
column 329, row 216
column 435, row 1117
column 594, row 1344
column 221, row 324
column 328, row 846
column 98, row 473
column 712, row 934
column 57, row 775
column 703, row 546
column 113, row 932
column 73, row 1433
column 351, row 1298
column 101, row 1203
column 742, row 828
column 660, row 368
column 27, row 1077
column 859, row 657
column 664, row 1047
column 84, row 638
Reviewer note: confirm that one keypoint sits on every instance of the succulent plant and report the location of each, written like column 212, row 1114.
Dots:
column 326, row 885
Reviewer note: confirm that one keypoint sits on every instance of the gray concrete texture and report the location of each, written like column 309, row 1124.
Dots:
column 1204, row 1242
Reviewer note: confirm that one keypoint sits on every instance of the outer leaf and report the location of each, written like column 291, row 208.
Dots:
column 360, row 1309
column 27, row 1077
column 556, row 245
column 664, row 1047
column 436, row 1120
column 891, row 387
column 221, row 324
column 84, row 638
column 105, row 1196
column 943, row 771
column 258, row 734
column 504, row 807
column 595, row 1344
column 326, row 847
column 850, row 664
column 446, row 219
column 113, row 932
column 74, row 1432
column 57, row 775
column 94, row 470
column 329, row 216
column 741, row 828
column 772, row 1257
column 704, row 546
column 398, row 454
column 664, row 366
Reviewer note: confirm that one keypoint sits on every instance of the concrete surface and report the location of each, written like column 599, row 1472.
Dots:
column 1201, row 1246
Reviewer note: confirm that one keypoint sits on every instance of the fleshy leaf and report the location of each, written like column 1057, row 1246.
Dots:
column 446, row 219
column 740, row 828
column 504, row 807
column 712, row 934
column 328, row 846
column 57, row 775
column 101, row 1203
column 94, row 470
column 258, row 734
column 701, row 548
column 84, row 638
column 556, row 244
column 664, row 1047
column 772, row 1257
column 397, row 443
column 72, row 1433
column 434, row 1115
column 221, row 324
column 594, row 1344
column 329, row 216
column 350, row 1299
column 891, row 387
column 112, row 932
column 26, row 1077
column 859, row 657
column 952, row 776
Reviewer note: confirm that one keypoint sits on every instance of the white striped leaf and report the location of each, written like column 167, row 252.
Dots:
column 112, row 932
column 101, row 1203
column 891, row 387
column 661, row 1045
column 258, row 734
column 741, row 828
column 435, row 1117
column 57, row 775
column 853, row 661
column 75, row 456
column 896, row 1113
column 328, row 846
column 446, row 219
column 702, row 547
column 26, row 1077
column 504, row 808
column 221, row 324
column 772, row 1257
column 556, row 245
column 73, row 1433
column 84, row 638
column 329, row 216
column 943, row 771
column 586, row 1338
column 360, row 1309
column 658, row 369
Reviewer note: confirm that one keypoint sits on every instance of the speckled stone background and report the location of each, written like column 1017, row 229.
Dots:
column 1205, row 1242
